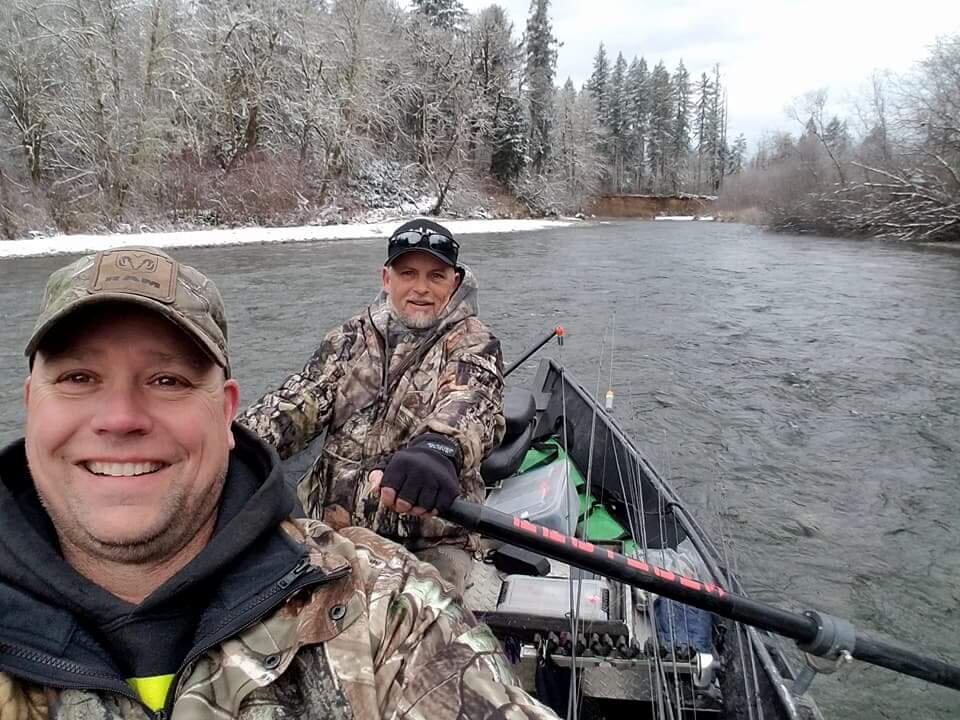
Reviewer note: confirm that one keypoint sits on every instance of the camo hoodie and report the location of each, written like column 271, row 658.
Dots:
column 282, row 619
column 448, row 379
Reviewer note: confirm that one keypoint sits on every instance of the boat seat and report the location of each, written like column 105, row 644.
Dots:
column 519, row 413
column 519, row 409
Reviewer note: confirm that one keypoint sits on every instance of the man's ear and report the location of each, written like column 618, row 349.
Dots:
column 26, row 391
column 385, row 277
column 231, row 403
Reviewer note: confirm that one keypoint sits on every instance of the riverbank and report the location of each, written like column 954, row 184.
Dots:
column 83, row 243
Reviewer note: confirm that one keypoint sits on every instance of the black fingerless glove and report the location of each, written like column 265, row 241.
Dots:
column 426, row 472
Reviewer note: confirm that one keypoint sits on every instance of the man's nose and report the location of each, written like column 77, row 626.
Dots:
column 122, row 411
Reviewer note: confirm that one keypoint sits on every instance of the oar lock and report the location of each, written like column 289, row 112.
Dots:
column 831, row 648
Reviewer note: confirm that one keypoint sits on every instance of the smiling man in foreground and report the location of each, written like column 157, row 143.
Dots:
column 148, row 568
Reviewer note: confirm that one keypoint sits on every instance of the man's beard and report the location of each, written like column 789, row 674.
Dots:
column 182, row 524
column 414, row 321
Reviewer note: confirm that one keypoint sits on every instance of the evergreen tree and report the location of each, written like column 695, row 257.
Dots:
column 837, row 137
column 738, row 154
column 445, row 14
column 540, row 70
column 494, row 53
column 703, row 124
column 638, row 102
column 681, row 126
column 717, row 127
column 599, row 82
column 578, row 162
column 568, row 137
column 616, row 120
column 270, row 109
column 509, row 141
column 661, row 123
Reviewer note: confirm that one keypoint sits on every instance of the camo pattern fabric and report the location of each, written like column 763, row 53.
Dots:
column 386, row 640
column 449, row 380
column 142, row 275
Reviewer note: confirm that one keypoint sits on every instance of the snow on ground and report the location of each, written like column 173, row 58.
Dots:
column 701, row 218
column 77, row 244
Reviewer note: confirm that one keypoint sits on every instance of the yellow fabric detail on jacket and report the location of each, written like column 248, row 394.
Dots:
column 152, row 690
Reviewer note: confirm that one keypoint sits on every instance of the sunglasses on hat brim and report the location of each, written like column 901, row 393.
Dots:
column 424, row 239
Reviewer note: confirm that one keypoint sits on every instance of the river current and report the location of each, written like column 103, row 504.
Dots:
column 802, row 394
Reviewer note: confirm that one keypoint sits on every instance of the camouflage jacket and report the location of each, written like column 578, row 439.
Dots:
column 447, row 380
column 312, row 624
column 364, row 632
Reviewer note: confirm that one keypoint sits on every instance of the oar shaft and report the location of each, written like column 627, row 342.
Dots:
column 904, row 660
column 588, row 556
column 638, row 573
column 523, row 358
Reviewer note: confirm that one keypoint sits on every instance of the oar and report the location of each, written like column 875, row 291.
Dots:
column 556, row 332
column 816, row 633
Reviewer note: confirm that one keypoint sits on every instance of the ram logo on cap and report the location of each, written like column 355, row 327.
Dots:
column 136, row 271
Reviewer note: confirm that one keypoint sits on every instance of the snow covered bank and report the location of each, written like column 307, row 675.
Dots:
column 690, row 218
column 76, row 244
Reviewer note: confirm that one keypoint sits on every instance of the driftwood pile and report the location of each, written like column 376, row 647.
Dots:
column 920, row 205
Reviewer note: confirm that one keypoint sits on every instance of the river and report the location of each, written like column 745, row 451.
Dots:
column 802, row 393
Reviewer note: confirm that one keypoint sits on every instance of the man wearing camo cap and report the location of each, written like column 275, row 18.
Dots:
column 148, row 566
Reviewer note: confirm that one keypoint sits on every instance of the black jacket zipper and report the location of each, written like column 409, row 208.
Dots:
column 293, row 582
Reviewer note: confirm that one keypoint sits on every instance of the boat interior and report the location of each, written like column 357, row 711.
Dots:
column 587, row 645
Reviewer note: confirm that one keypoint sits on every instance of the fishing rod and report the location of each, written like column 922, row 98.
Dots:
column 816, row 633
column 556, row 332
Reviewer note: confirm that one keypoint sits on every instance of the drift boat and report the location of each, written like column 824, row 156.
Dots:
column 589, row 645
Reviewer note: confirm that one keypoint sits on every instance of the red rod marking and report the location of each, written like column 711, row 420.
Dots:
column 640, row 565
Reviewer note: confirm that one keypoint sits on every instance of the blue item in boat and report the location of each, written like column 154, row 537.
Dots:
column 680, row 625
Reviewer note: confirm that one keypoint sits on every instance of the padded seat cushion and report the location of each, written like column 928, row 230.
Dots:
column 519, row 409
column 506, row 459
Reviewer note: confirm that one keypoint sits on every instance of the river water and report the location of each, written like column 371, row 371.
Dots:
column 802, row 394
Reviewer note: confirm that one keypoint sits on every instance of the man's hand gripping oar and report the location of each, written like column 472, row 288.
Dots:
column 422, row 478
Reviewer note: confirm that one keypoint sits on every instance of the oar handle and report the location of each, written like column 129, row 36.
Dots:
column 815, row 632
column 556, row 332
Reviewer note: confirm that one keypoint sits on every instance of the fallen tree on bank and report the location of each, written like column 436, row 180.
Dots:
column 917, row 205
column 892, row 169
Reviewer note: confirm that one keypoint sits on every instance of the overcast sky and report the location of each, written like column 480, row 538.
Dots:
column 770, row 51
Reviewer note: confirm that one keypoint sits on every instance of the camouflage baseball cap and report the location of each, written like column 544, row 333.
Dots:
column 142, row 276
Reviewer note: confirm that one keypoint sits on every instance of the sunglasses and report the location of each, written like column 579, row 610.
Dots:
column 424, row 239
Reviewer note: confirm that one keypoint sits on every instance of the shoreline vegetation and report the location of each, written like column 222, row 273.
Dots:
column 890, row 170
column 163, row 115
column 172, row 114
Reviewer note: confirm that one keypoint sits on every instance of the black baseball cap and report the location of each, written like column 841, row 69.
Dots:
column 426, row 236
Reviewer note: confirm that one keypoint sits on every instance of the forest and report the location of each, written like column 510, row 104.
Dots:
column 133, row 114
column 162, row 113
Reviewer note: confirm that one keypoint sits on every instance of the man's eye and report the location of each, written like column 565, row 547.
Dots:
column 76, row 378
column 171, row 381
